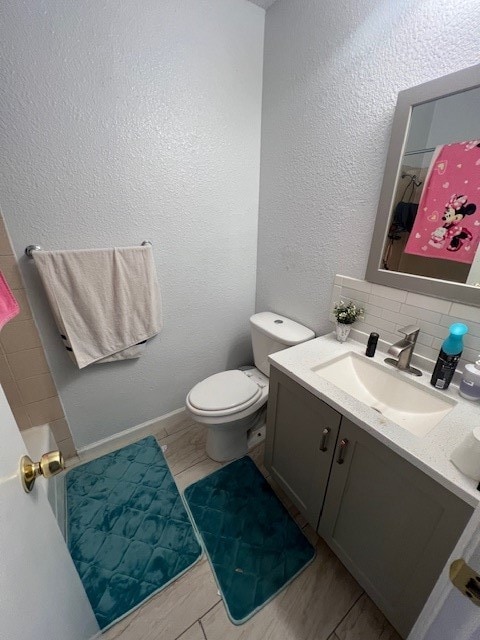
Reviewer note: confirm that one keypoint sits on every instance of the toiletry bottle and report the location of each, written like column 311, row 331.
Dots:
column 372, row 345
column 449, row 356
column 470, row 384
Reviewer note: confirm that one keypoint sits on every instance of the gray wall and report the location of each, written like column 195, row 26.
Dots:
column 332, row 72
column 125, row 121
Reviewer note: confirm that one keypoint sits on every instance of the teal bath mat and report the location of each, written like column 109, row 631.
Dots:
column 254, row 546
column 128, row 531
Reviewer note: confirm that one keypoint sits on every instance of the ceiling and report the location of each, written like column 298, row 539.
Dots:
column 263, row 3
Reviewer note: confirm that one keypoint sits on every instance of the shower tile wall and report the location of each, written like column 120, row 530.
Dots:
column 24, row 371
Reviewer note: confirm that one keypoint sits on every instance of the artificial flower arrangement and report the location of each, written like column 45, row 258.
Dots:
column 346, row 313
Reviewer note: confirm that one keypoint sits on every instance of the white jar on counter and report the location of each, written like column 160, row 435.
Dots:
column 466, row 456
column 470, row 384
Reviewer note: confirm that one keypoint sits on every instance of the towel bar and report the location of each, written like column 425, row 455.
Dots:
column 36, row 247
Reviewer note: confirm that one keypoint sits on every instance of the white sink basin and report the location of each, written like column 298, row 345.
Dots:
column 416, row 409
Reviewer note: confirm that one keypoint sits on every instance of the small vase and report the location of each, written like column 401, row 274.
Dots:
column 342, row 331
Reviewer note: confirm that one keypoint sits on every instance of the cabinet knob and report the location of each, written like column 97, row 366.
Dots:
column 325, row 434
column 342, row 450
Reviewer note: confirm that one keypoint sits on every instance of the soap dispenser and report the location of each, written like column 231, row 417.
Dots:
column 470, row 384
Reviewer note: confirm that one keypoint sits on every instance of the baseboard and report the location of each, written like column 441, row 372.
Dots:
column 130, row 435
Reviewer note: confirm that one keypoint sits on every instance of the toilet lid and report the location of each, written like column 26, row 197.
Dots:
column 224, row 390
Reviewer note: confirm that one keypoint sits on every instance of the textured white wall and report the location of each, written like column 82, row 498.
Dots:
column 263, row 3
column 332, row 72
column 125, row 121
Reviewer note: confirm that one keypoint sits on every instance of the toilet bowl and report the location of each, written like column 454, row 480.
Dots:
column 232, row 403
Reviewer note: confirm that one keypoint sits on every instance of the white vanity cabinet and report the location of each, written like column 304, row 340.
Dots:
column 389, row 523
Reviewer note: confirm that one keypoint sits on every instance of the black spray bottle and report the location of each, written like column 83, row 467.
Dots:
column 449, row 356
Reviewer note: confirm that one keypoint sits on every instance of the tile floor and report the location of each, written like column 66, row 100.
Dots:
column 323, row 603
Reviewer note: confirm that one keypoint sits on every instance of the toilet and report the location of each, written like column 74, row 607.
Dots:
column 233, row 403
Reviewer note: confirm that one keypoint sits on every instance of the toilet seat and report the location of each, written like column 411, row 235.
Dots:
column 223, row 394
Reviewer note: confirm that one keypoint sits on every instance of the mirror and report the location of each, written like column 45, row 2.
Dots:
column 427, row 231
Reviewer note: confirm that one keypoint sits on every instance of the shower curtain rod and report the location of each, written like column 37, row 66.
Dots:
column 36, row 247
column 417, row 151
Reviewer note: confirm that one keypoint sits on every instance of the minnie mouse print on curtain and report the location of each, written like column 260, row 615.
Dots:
column 448, row 219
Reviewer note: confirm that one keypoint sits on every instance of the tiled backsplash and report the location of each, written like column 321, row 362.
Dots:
column 24, row 371
column 387, row 310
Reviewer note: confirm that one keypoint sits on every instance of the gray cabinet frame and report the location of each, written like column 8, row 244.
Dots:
column 389, row 523
column 297, row 452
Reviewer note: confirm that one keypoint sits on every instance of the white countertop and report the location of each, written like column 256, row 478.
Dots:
column 431, row 453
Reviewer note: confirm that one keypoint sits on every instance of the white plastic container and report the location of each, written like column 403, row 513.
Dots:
column 466, row 456
column 470, row 384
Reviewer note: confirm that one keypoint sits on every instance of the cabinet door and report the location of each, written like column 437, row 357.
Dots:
column 301, row 435
column 391, row 525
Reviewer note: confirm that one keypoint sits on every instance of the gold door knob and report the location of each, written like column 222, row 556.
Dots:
column 49, row 465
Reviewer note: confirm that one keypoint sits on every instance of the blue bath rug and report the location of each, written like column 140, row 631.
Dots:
column 254, row 546
column 128, row 531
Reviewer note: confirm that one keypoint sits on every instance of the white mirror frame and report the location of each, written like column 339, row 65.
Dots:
column 453, row 83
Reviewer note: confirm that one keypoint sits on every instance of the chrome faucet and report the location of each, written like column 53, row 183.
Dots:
column 403, row 350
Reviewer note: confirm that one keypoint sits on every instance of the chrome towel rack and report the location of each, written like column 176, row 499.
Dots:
column 36, row 247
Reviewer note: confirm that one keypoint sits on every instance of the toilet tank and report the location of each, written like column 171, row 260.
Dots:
column 271, row 333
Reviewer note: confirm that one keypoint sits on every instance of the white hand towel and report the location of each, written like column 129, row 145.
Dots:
column 105, row 301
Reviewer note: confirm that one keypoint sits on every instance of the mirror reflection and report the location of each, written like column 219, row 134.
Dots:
column 434, row 227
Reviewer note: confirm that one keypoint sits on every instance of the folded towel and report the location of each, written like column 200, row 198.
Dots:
column 106, row 302
column 8, row 305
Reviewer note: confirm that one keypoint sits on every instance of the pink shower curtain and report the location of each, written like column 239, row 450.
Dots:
column 447, row 224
